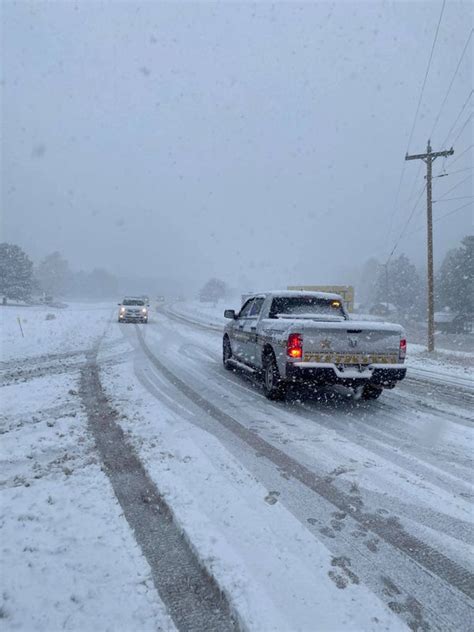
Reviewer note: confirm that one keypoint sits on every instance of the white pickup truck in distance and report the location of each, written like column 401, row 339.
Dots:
column 308, row 337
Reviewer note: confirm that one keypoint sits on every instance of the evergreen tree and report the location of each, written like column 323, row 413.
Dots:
column 399, row 283
column 102, row 284
column 16, row 273
column 53, row 274
column 366, row 286
column 455, row 279
column 212, row 291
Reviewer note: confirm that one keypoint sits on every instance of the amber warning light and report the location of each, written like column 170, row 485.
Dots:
column 295, row 346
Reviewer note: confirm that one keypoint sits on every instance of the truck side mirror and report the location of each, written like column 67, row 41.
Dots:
column 229, row 313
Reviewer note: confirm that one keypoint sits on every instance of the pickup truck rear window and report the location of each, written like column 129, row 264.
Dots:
column 305, row 306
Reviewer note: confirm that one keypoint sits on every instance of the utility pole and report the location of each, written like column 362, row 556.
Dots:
column 429, row 158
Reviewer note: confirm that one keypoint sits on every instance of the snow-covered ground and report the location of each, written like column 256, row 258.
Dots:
column 328, row 515
column 69, row 559
column 39, row 329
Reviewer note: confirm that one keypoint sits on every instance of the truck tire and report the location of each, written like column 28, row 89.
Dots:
column 226, row 353
column 371, row 392
column 273, row 386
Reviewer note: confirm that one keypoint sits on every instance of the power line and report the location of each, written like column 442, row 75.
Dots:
column 458, row 117
column 463, row 197
column 456, row 210
column 397, row 197
column 440, row 217
column 415, row 182
column 406, row 202
column 462, row 128
column 420, row 98
column 406, row 224
column 426, row 76
column 417, row 175
column 396, row 207
column 458, row 184
column 462, row 154
column 452, row 81
column 433, row 129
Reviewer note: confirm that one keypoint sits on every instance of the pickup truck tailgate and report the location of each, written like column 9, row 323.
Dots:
column 351, row 342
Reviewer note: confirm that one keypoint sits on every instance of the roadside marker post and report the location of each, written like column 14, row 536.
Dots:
column 21, row 328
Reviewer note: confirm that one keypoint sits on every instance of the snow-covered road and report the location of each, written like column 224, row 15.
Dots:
column 329, row 514
column 384, row 489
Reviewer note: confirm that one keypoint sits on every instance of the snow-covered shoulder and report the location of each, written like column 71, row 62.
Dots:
column 36, row 330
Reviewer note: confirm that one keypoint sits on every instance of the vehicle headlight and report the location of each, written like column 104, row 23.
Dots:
column 144, row 310
column 122, row 309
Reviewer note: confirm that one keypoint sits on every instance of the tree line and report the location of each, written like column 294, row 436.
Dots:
column 20, row 280
column 400, row 283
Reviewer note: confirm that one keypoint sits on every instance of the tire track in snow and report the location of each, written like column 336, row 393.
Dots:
column 193, row 599
column 32, row 367
column 384, row 443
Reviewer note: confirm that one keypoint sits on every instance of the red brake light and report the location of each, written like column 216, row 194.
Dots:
column 403, row 348
column 295, row 346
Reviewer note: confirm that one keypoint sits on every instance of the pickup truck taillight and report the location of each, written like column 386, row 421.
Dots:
column 403, row 348
column 294, row 347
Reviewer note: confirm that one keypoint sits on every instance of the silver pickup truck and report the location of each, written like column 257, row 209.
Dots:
column 308, row 337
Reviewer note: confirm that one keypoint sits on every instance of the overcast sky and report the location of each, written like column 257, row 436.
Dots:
column 260, row 143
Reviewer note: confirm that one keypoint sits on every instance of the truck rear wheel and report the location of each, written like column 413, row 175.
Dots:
column 226, row 353
column 371, row 392
column 273, row 385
